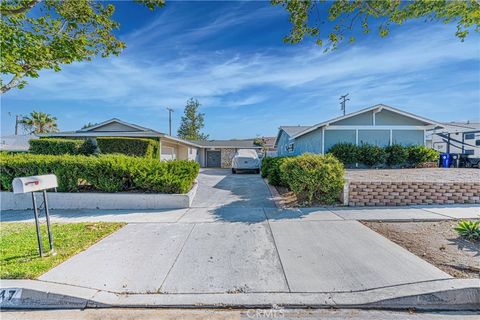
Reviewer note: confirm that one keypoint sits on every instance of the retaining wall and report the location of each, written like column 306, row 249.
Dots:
column 410, row 193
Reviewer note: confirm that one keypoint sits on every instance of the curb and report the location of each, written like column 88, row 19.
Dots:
column 441, row 295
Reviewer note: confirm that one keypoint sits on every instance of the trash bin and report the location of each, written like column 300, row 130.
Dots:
column 445, row 160
column 455, row 160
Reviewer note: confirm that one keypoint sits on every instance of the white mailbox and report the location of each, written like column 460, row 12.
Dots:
column 34, row 183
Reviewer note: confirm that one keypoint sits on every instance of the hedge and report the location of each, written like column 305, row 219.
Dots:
column 392, row 156
column 105, row 173
column 271, row 170
column 314, row 177
column 140, row 147
column 60, row 146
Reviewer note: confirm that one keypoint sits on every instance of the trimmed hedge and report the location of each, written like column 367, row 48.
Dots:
column 314, row 177
column 394, row 155
column 106, row 173
column 271, row 170
column 347, row 153
column 60, row 146
column 139, row 147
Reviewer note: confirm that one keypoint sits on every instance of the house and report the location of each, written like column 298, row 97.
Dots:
column 379, row 125
column 16, row 142
column 214, row 153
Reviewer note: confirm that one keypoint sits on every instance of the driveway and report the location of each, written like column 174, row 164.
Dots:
column 233, row 240
column 220, row 188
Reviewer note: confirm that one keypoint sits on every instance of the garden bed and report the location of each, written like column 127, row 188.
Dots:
column 436, row 242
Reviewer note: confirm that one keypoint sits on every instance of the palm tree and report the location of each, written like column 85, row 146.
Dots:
column 39, row 122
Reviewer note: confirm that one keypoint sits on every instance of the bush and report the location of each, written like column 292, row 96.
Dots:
column 371, row 155
column 107, row 173
column 60, row 146
column 314, row 177
column 396, row 154
column 140, row 147
column 469, row 229
column 347, row 153
column 421, row 154
column 271, row 170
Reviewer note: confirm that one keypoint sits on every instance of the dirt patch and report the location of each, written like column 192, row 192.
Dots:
column 436, row 242
column 414, row 175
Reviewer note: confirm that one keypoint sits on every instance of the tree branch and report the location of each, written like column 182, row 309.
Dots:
column 26, row 6
column 15, row 81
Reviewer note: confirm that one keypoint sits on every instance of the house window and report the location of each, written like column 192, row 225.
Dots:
column 477, row 143
column 290, row 147
column 190, row 150
column 469, row 136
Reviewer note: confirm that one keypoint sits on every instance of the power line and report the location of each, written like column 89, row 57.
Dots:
column 343, row 99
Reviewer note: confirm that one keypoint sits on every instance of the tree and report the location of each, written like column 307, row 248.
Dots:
column 60, row 32
column 192, row 122
column 88, row 125
column 347, row 15
column 39, row 122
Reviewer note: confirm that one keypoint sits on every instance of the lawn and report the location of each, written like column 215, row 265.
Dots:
column 19, row 257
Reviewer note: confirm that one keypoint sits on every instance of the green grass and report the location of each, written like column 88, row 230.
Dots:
column 19, row 257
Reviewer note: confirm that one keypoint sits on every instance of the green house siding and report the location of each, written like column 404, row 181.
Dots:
column 408, row 137
column 379, row 138
column 310, row 142
column 362, row 119
column 333, row 137
column 389, row 118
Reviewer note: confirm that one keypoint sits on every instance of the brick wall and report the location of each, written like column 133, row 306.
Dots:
column 412, row 193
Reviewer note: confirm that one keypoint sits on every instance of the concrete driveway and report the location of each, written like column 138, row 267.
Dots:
column 234, row 240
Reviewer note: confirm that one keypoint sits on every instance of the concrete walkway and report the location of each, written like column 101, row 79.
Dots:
column 235, row 241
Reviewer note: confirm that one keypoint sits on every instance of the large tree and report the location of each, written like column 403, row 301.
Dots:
column 44, row 34
column 346, row 17
column 39, row 122
column 192, row 122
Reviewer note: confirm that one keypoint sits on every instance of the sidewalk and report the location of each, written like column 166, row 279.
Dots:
column 229, row 213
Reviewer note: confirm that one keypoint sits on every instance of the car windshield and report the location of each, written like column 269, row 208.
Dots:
column 247, row 153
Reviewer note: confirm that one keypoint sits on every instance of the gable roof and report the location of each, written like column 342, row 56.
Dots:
column 377, row 107
column 115, row 120
column 290, row 131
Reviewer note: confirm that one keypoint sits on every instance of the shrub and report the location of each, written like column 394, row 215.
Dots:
column 140, row 147
column 347, row 153
column 469, row 229
column 314, row 177
column 107, row 173
column 59, row 146
column 421, row 154
column 396, row 154
column 371, row 155
column 265, row 166
column 272, row 171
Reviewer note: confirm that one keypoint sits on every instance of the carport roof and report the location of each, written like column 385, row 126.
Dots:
column 247, row 144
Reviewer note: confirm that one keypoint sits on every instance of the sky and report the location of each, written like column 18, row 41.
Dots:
column 232, row 58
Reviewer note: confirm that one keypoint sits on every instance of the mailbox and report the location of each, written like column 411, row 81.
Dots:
column 30, row 185
column 34, row 183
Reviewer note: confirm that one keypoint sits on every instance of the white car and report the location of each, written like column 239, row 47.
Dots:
column 246, row 159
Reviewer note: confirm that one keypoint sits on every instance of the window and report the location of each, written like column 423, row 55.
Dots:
column 477, row 143
column 290, row 147
column 469, row 136
column 469, row 152
column 190, row 150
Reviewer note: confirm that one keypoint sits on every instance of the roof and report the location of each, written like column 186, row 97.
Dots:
column 292, row 130
column 377, row 107
column 247, row 144
column 127, row 124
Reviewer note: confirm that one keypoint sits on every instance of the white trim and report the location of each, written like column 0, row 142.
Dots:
column 376, row 128
column 137, row 134
column 323, row 140
column 356, row 137
column 425, row 138
column 391, row 137
column 376, row 107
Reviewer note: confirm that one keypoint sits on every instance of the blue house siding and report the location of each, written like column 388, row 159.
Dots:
column 379, row 138
column 362, row 119
column 282, row 143
column 389, row 118
column 332, row 137
column 408, row 137
column 310, row 142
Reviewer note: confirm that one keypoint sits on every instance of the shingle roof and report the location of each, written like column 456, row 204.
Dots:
column 292, row 130
column 227, row 143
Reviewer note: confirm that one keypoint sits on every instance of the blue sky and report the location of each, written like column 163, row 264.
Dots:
column 231, row 57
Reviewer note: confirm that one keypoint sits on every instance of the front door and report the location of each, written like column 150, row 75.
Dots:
column 213, row 159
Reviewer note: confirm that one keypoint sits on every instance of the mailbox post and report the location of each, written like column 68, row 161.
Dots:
column 30, row 185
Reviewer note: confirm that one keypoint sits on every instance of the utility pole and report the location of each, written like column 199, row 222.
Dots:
column 170, row 110
column 343, row 100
